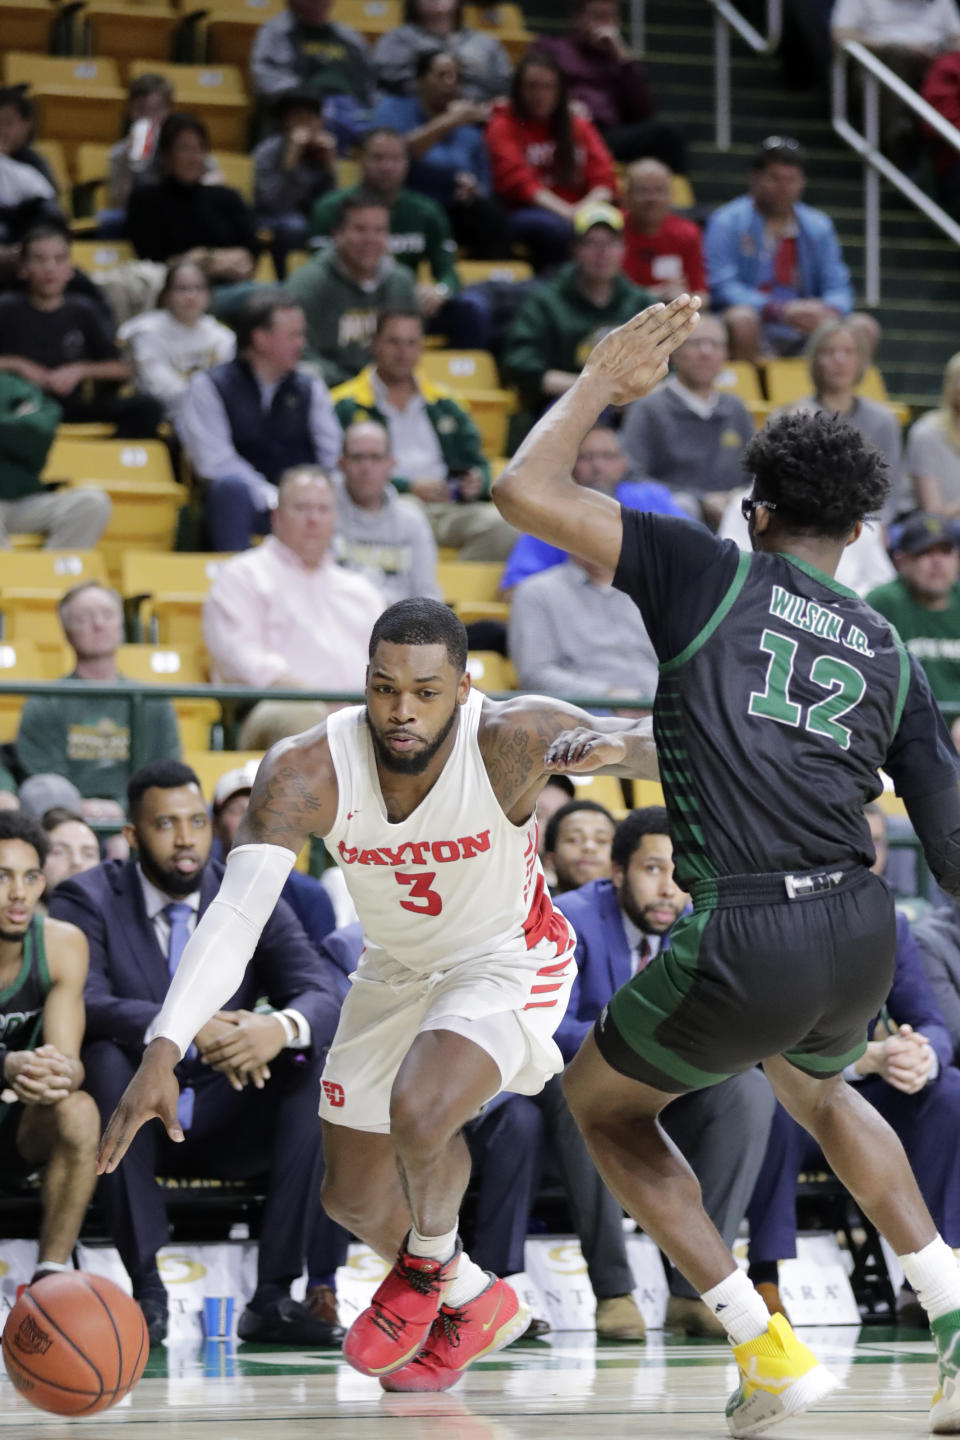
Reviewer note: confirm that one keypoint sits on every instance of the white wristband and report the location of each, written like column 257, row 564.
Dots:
column 220, row 948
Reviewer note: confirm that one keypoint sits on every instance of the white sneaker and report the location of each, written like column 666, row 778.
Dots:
column 945, row 1410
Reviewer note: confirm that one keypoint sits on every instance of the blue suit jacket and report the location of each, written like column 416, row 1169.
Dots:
column 603, row 958
column 128, row 975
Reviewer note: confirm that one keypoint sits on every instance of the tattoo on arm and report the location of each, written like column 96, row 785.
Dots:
column 283, row 809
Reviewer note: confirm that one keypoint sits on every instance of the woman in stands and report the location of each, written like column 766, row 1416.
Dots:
column 431, row 25
column 173, row 342
column 548, row 159
column 933, row 449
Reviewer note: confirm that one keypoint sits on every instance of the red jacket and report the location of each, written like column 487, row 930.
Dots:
column 677, row 238
column 522, row 152
column 941, row 89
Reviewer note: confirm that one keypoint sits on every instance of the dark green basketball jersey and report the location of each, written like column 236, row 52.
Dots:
column 781, row 695
column 21, row 1003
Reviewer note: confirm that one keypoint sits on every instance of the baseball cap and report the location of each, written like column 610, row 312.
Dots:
column 41, row 793
column 922, row 532
column 233, row 782
column 598, row 213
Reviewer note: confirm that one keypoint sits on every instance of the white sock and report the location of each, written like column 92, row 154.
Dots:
column 53, row 1267
column 432, row 1247
column 467, row 1283
column 738, row 1307
column 935, row 1275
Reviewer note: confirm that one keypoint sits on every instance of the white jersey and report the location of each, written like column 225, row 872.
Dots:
column 454, row 881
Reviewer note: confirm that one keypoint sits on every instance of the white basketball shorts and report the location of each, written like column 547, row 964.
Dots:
column 508, row 1003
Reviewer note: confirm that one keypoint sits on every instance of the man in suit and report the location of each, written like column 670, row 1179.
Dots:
column 622, row 924
column 249, row 1085
column 907, row 1074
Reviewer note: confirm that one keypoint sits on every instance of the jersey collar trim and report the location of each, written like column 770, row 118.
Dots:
column 820, row 575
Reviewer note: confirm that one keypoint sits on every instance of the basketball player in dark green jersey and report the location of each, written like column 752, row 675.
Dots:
column 780, row 696
column 45, row 1119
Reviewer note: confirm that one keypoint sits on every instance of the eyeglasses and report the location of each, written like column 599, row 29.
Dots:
column 749, row 503
column 779, row 142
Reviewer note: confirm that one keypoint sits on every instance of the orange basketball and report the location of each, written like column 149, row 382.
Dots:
column 75, row 1343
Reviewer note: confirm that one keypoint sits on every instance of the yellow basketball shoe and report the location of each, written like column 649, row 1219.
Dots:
column 779, row 1377
column 945, row 1410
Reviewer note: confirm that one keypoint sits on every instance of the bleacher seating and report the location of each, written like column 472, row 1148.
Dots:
column 472, row 587
column 19, row 660
column 789, row 380
column 31, row 585
column 473, row 375
column 165, row 665
column 165, row 592
column 372, row 18
column 490, row 671
column 129, row 30
column 26, row 24
column 505, row 21
column 215, row 93
column 231, row 26
column 211, row 764
column 740, row 377
column 77, row 97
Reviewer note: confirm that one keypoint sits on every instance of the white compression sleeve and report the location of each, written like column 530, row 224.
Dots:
column 220, row 948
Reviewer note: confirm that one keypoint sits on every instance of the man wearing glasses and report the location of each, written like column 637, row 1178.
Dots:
column 774, row 264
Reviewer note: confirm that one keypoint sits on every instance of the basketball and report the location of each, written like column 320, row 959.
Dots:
column 75, row 1343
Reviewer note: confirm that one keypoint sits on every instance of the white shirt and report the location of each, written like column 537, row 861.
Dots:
column 694, row 402
column 413, row 440
column 915, row 24
column 19, row 183
column 167, row 354
column 297, row 1028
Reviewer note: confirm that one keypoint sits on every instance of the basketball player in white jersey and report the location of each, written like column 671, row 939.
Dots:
column 425, row 797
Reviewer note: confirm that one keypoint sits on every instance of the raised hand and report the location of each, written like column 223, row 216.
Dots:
column 632, row 359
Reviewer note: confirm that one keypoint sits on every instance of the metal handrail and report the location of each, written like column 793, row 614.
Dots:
column 867, row 145
column 727, row 17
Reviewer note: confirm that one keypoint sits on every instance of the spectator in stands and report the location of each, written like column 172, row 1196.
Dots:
column 938, row 936
column 933, row 450
column 837, row 360
column 576, row 844
column 941, row 89
column 40, row 793
column 607, row 79
column 688, row 434
column 72, row 847
column 68, row 519
column 169, row 345
column 601, row 465
column 623, row 924
column 436, row 446
column 557, row 325
column 275, row 720
column 9, row 799
column 547, row 160
column 18, row 123
column 557, row 791
column 570, row 634
column 134, row 158
column 923, row 602
column 664, row 252
column 292, row 169
column 304, row 48
column 223, row 420
column 137, row 918
column 437, row 25
column 286, row 614
column 774, row 264
column 26, row 200
column 62, row 342
column 906, row 1073
column 87, row 738
column 419, row 232
column 384, row 534
column 181, row 216
column 343, row 290
column 449, row 160
column 46, row 1120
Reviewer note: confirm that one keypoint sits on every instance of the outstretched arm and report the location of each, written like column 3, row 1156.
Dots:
column 295, row 796
column 535, row 492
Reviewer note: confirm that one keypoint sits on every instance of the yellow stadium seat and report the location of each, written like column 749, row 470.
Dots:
column 211, row 764
column 371, row 17
column 504, row 21
column 873, row 387
column 264, row 272
column 348, row 173
column 237, row 172
column 32, row 583
column 95, row 257
column 231, row 26
column 472, row 587
column 25, row 24
column 681, row 193
column 215, row 93
column 296, row 258
column 77, row 98
column 101, row 460
column 789, row 381
column 129, row 29
column 50, row 569
column 19, row 660
column 739, row 377
column 491, row 671
column 604, row 789
column 170, row 590
column 165, row 665
column 476, row 272
column 462, row 369
column 53, row 152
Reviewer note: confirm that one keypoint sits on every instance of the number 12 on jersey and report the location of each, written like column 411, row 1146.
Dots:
column 844, row 681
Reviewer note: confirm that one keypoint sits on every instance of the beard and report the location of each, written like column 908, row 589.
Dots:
column 169, row 880
column 12, row 936
column 638, row 915
column 416, row 763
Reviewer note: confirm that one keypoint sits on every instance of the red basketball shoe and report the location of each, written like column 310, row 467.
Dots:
column 397, row 1321
column 460, row 1336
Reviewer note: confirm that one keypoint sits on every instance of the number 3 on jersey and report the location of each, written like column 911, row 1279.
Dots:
column 421, row 900
column 844, row 681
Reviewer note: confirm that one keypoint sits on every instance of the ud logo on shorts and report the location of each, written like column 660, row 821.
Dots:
column 334, row 1093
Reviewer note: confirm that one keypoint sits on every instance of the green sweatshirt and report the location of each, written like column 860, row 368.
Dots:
column 931, row 636
column 419, row 230
column 556, row 327
column 87, row 740
column 28, row 425
column 342, row 315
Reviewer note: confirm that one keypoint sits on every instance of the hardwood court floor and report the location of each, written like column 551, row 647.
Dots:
column 566, row 1386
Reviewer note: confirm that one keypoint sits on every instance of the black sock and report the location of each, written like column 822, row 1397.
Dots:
column 147, row 1284
column 267, row 1295
column 763, row 1272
